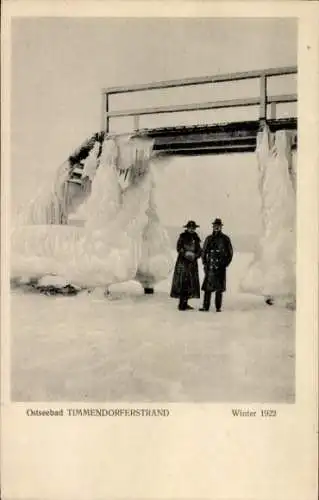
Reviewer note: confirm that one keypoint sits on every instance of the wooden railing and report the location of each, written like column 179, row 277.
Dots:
column 262, row 101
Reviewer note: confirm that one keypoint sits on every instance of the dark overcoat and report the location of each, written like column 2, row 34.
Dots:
column 186, row 278
column 216, row 256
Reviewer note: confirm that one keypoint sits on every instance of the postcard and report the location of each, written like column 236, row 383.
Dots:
column 159, row 263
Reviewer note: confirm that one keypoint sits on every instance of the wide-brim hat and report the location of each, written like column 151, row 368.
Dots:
column 217, row 222
column 191, row 224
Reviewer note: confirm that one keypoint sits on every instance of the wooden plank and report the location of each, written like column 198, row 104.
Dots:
column 233, row 103
column 75, row 180
column 215, row 151
column 186, row 107
column 78, row 169
column 228, row 77
column 208, row 151
column 209, row 139
column 230, row 128
column 205, row 145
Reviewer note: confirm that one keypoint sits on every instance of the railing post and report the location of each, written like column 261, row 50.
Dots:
column 107, row 121
column 273, row 111
column 103, row 111
column 136, row 122
column 263, row 98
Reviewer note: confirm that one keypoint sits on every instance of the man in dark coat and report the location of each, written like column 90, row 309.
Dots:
column 185, row 284
column 216, row 256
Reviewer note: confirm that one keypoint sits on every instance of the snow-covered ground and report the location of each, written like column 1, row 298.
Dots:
column 134, row 347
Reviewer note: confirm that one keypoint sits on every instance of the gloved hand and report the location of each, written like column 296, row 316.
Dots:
column 190, row 255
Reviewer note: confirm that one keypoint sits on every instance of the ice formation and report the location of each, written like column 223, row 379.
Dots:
column 47, row 206
column 56, row 198
column 122, row 238
column 155, row 263
column 272, row 271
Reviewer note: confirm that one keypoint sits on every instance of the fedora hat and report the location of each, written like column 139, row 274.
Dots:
column 217, row 222
column 191, row 224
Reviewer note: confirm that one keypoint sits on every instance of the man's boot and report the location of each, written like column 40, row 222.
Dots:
column 218, row 301
column 207, row 299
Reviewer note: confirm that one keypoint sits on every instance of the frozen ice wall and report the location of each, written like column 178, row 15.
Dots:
column 117, row 242
column 272, row 272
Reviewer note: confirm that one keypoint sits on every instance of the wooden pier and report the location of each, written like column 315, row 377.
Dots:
column 211, row 138
column 202, row 139
column 224, row 138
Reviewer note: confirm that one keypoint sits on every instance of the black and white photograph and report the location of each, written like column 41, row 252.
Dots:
column 153, row 206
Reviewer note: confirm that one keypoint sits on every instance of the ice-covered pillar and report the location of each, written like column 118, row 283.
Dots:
column 272, row 272
column 156, row 260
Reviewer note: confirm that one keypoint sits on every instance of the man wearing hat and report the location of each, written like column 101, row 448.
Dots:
column 216, row 256
column 185, row 284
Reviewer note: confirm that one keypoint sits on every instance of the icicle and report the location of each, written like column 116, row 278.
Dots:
column 48, row 206
column 91, row 163
column 105, row 199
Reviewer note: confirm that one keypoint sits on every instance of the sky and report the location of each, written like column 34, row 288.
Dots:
column 60, row 65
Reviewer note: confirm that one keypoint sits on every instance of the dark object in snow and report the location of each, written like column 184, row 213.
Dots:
column 269, row 301
column 148, row 291
column 53, row 290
